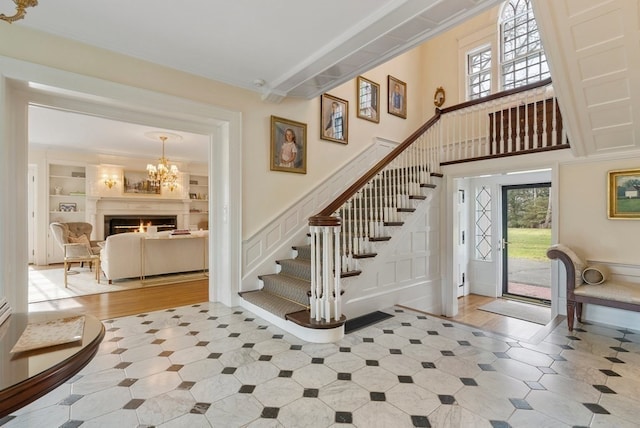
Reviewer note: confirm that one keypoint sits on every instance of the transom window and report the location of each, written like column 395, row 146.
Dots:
column 523, row 59
column 479, row 73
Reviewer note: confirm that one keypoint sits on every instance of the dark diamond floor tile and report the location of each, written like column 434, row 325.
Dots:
column 447, row 353
column 212, row 318
column 373, row 363
column 263, row 327
column 596, row 408
column 142, row 315
column 428, row 365
column 502, row 355
column 158, row 341
column 71, row 424
column 270, row 412
column 344, row 418
column 567, row 347
column 249, row 345
column 277, row 336
column 118, row 351
column 133, row 404
column 479, row 334
column 246, row 389
column 223, row 325
column 573, row 337
column 311, row 392
column 405, row 379
column 285, row 373
column 535, row 385
column 432, row 333
column 447, row 399
column 249, row 319
column 609, row 372
column 377, row 396
column 622, row 339
column 186, row 385
column 317, row 360
column 122, row 365
column 604, row 389
column 447, row 324
column 421, row 317
column 200, row 408
column 234, row 334
column 229, row 370
column 115, row 339
column 581, row 330
column 237, row 313
column 395, row 351
column 175, row 367
column 400, row 311
column 520, row 404
column 464, row 343
column 295, row 347
column 165, row 353
column 265, row 358
column 415, row 342
column 214, row 355
column 345, row 349
column 203, row 343
column 468, row 381
column 420, row 421
column 344, row 376
column 615, row 360
column 127, row 382
column 406, row 324
column 184, row 324
column 367, row 339
column 387, row 331
column 619, row 349
column 500, row 424
column 69, row 400
column 193, row 333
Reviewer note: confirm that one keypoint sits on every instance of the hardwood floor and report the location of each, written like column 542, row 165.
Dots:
column 130, row 302
column 121, row 303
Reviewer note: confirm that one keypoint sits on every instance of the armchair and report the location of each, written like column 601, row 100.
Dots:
column 74, row 240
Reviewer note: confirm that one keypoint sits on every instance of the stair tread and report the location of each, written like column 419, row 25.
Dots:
column 272, row 303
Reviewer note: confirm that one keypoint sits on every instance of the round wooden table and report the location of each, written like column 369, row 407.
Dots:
column 27, row 376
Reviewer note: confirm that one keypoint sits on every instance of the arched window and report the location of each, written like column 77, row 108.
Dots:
column 523, row 60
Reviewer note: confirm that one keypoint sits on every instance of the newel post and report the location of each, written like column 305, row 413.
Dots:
column 325, row 300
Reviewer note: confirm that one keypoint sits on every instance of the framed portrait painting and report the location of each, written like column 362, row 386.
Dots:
column 334, row 119
column 397, row 104
column 368, row 96
column 288, row 145
column 624, row 194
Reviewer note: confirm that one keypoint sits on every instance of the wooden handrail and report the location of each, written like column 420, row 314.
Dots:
column 347, row 194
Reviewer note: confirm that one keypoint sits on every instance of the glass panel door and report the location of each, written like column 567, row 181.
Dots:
column 526, row 235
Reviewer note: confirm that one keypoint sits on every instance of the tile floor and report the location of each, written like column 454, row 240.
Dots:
column 212, row 366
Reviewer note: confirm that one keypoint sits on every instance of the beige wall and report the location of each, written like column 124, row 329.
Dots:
column 266, row 194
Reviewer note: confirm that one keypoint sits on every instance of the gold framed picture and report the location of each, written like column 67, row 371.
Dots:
column 397, row 104
column 624, row 194
column 288, row 145
column 368, row 96
column 334, row 119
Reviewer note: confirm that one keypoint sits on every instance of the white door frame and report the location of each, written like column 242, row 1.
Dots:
column 22, row 83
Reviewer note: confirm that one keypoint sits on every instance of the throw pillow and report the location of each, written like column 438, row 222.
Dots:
column 82, row 239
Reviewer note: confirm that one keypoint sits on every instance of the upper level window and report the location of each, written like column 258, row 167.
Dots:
column 523, row 58
column 479, row 73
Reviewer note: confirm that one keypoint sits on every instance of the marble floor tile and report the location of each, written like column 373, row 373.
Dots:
column 209, row 365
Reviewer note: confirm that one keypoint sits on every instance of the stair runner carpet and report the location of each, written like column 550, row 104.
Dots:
column 287, row 291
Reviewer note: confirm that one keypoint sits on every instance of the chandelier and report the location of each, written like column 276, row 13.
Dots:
column 21, row 5
column 163, row 174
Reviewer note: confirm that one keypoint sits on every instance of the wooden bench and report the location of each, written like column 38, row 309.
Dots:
column 615, row 294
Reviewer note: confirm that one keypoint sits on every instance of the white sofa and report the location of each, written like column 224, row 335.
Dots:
column 137, row 255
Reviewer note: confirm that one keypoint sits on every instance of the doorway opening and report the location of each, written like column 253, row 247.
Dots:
column 526, row 235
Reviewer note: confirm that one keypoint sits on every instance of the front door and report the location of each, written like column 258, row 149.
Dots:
column 526, row 235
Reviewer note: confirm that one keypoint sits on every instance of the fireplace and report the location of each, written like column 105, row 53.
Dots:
column 130, row 223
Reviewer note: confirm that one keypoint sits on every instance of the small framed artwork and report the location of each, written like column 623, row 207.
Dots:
column 397, row 105
column 193, row 196
column 138, row 182
column 288, row 145
column 67, row 207
column 624, row 194
column 368, row 96
column 334, row 119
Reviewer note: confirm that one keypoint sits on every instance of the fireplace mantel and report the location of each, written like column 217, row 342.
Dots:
column 98, row 207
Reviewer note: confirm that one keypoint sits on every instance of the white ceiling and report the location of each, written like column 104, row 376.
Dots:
column 298, row 48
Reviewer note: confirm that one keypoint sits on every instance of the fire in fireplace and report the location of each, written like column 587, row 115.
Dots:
column 131, row 223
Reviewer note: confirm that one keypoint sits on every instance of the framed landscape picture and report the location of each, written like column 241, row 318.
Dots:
column 334, row 119
column 368, row 96
column 397, row 104
column 288, row 145
column 624, row 194
column 138, row 182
